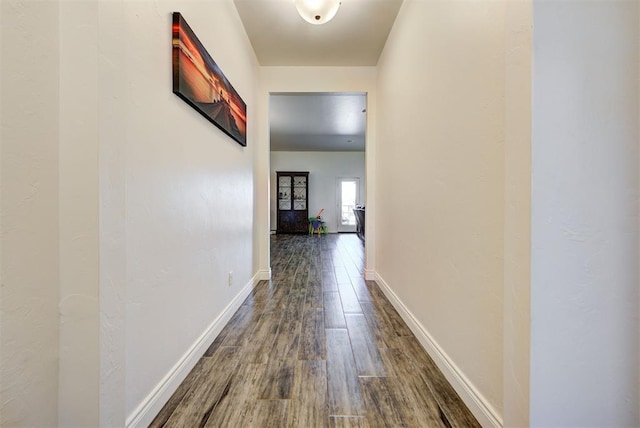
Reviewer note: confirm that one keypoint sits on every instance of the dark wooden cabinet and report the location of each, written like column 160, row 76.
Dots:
column 293, row 202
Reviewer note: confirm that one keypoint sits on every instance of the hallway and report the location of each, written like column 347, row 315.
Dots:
column 315, row 346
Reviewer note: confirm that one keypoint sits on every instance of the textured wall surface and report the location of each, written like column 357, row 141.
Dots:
column 517, row 213
column 122, row 209
column 29, row 284
column 584, row 252
column 440, row 179
column 189, row 191
column 112, row 148
column 78, row 396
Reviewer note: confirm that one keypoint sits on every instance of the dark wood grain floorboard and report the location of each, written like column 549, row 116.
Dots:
column 368, row 360
column 313, row 342
column 302, row 274
column 277, row 298
column 350, row 302
column 345, row 397
column 420, row 406
column 258, row 296
column 342, row 277
column 389, row 312
column 212, row 383
column 348, row 422
column 269, row 414
column 384, row 409
column 333, row 314
column 449, row 403
column 329, row 282
column 315, row 346
column 355, row 271
column 286, row 341
column 383, row 333
column 314, row 298
column 326, row 263
column 361, row 289
column 277, row 381
column 308, row 406
column 289, row 271
column 257, row 345
column 242, row 322
column 295, row 306
column 161, row 419
column 233, row 409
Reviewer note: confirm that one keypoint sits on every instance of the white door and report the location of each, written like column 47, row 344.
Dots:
column 347, row 196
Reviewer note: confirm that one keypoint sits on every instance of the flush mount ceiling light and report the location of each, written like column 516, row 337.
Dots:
column 317, row 11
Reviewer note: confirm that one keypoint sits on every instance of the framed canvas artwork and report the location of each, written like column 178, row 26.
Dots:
column 198, row 80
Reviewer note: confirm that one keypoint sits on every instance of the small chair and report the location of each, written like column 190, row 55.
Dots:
column 317, row 225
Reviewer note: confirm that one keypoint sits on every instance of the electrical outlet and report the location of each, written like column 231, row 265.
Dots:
column 230, row 279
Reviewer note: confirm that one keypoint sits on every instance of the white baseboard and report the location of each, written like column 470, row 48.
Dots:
column 153, row 403
column 264, row 275
column 484, row 412
column 370, row 275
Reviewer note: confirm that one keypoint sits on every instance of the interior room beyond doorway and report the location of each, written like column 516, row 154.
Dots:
column 322, row 134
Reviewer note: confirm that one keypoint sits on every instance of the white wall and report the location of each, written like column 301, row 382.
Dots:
column 584, row 253
column 112, row 220
column 29, row 214
column 313, row 79
column 123, row 210
column 517, row 213
column 324, row 168
column 79, row 377
column 440, row 186
column 189, row 191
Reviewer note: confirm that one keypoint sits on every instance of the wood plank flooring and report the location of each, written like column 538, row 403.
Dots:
column 317, row 346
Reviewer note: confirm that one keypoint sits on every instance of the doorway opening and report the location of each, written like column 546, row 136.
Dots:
column 322, row 134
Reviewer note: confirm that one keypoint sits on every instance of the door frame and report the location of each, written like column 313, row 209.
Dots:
column 304, row 80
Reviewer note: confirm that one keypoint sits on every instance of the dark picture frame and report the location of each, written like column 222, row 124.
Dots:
column 198, row 80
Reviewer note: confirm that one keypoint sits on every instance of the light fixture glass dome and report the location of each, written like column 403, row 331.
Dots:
column 317, row 11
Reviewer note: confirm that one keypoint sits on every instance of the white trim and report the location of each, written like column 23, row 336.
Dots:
column 160, row 395
column 370, row 275
column 478, row 405
column 264, row 275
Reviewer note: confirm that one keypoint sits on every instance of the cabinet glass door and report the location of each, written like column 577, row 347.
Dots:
column 284, row 193
column 300, row 193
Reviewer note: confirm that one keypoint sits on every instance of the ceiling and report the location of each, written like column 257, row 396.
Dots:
column 317, row 122
column 355, row 37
